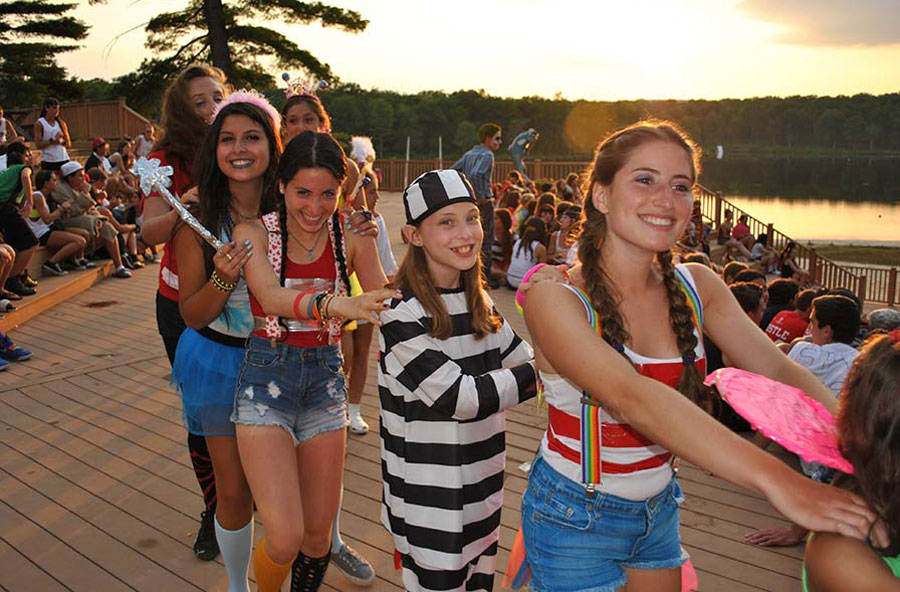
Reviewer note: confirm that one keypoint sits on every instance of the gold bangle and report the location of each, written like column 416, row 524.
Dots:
column 220, row 284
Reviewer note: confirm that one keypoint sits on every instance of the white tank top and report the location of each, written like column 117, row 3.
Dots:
column 2, row 129
column 520, row 262
column 53, row 152
column 38, row 227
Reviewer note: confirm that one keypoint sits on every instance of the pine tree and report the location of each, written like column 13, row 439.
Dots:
column 225, row 36
column 30, row 31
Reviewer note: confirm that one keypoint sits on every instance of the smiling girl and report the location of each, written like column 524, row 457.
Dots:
column 236, row 173
column 622, row 362
column 290, row 406
column 449, row 365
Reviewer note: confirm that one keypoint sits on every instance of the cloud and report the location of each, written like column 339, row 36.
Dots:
column 831, row 22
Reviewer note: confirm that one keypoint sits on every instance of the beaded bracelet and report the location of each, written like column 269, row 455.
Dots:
column 220, row 284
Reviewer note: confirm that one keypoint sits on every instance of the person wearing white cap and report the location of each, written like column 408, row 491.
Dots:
column 449, row 365
column 83, row 214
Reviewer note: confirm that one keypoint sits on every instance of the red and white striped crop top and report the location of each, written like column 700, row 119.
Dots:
column 632, row 466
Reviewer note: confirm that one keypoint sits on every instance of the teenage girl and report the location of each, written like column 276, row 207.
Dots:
column 868, row 424
column 601, row 508
column 290, row 407
column 188, row 107
column 449, row 364
column 51, row 136
column 300, row 113
column 236, row 176
column 65, row 244
column 528, row 251
column 563, row 239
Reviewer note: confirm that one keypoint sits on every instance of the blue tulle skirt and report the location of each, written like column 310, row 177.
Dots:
column 205, row 373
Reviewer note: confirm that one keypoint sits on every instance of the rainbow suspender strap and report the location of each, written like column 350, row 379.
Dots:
column 591, row 425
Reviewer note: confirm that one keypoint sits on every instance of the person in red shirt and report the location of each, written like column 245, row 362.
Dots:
column 788, row 325
column 741, row 232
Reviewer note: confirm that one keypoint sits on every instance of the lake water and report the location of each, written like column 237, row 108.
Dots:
column 840, row 200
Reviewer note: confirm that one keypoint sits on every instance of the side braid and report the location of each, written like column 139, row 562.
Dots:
column 681, row 317
column 339, row 249
column 282, row 223
column 597, row 283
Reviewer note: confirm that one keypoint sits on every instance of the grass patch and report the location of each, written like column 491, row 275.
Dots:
column 853, row 254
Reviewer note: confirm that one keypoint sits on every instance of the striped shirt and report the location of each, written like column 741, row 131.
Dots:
column 442, row 434
column 477, row 165
column 633, row 467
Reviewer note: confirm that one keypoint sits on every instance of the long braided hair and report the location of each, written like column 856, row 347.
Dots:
column 610, row 156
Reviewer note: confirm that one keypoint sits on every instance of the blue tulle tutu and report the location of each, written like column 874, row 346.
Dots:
column 205, row 373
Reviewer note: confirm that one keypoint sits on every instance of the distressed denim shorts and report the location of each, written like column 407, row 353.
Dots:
column 301, row 389
column 578, row 542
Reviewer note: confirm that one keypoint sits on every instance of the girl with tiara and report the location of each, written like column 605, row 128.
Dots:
column 449, row 365
column 236, row 167
column 868, row 422
column 601, row 508
column 290, row 407
column 187, row 110
column 303, row 112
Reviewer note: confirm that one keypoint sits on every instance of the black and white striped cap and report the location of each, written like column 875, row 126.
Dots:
column 434, row 190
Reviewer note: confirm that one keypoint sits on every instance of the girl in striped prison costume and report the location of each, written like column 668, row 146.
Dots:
column 448, row 366
column 601, row 508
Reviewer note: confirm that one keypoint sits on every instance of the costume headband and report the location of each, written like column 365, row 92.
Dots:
column 254, row 98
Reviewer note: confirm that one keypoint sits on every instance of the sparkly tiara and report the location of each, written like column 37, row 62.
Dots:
column 304, row 88
column 254, row 98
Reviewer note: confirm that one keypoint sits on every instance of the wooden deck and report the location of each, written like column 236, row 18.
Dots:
column 97, row 491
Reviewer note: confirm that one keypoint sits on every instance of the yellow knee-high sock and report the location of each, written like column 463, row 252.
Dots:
column 269, row 575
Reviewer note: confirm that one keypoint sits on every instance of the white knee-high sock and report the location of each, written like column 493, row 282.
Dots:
column 336, row 542
column 235, row 546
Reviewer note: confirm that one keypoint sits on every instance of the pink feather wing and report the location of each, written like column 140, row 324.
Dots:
column 784, row 414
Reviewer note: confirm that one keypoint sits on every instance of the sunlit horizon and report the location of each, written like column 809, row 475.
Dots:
column 645, row 49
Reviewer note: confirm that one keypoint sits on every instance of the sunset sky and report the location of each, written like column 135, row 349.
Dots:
column 601, row 49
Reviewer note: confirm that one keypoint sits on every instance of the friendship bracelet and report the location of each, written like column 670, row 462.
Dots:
column 297, row 304
column 220, row 284
column 317, row 309
column 327, row 306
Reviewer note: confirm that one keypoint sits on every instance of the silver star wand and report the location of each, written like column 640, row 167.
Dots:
column 154, row 176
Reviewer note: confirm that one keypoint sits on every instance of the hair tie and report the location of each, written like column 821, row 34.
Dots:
column 619, row 348
column 688, row 358
column 894, row 336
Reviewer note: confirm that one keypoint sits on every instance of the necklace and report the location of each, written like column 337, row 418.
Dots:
column 243, row 217
column 309, row 250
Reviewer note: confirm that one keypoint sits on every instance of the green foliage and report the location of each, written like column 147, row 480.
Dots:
column 184, row 35
column 28, row 68
column 571, row 129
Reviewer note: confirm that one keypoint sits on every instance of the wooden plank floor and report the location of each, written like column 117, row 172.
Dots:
column 97, row 491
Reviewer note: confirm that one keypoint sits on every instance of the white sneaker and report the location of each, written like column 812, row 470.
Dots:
column 358, row 425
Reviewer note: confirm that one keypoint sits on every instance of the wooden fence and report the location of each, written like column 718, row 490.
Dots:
column 870, row 283
column 109, row 119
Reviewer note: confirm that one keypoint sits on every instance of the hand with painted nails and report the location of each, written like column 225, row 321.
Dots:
column 360, row 222
column 230, row 259
column 365, row 307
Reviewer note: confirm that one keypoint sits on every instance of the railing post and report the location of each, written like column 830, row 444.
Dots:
column 537, row 169
column 812, row 264
column 718, row 209
column 862, row 279
column 121, row 118
column 770, row 235
column 892, row 286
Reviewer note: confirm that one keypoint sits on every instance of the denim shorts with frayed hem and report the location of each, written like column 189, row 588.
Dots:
column 575, row 542
column 300, row 389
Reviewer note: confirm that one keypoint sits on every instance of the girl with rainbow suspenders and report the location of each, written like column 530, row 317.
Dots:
column 601, row 509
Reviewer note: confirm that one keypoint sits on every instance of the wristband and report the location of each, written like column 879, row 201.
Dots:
column 520, row 295
column 220, row 284
column 297, row 305
column 310, row 305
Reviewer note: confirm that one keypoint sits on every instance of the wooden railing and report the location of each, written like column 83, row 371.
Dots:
column 870, row 283
column 109, row 119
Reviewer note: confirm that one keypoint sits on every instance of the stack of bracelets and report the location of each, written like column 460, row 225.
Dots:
column 220, row 284
column 316, row 308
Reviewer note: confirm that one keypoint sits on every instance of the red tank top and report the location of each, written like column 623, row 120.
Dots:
column 181, row 182
column 323, row 269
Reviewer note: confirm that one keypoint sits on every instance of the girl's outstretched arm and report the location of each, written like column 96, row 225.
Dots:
column 417, row 362
column 557, row 322
column 745, row 345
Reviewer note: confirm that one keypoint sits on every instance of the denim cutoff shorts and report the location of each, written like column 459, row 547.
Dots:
column 301, row 389
column 578, row 542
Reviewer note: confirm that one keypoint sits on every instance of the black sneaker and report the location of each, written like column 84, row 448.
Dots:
column 15, row 285
column 54, row 269
column 206, row 547
column 135, row 261
column 127, row 262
